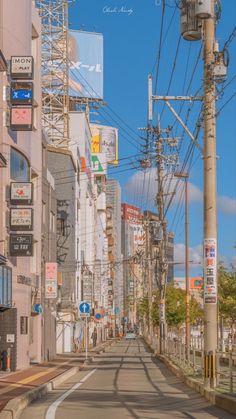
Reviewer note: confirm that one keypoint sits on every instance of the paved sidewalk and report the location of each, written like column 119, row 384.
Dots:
column 17, row 383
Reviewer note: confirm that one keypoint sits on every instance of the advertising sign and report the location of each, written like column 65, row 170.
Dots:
column 105, row 140
column 21, row 193
column 86, row 64
column 51, row 280
column 109, row 143
column 21, row 119
column 99, row 165
column 87, row 287
column 210, row 271
column 21, row 219
column 22, row 67
column 21, row 93
column 21, row 244
column 131, row 214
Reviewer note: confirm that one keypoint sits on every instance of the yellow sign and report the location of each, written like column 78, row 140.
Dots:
column 96, row 144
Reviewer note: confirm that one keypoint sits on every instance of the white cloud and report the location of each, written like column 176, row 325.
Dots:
column 144, row 185
column 195, row 256
column 227, row 205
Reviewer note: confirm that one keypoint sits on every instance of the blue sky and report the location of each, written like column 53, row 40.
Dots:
column 131, row 32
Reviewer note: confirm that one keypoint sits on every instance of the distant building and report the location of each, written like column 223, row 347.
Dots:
column 113, row 197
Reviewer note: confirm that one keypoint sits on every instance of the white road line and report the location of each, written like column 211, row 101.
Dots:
column 51, row 412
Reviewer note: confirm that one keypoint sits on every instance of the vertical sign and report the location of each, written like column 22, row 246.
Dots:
column 210, row 271
column 51, row 280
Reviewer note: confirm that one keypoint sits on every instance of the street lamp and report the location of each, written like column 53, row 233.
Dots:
column 185, row 176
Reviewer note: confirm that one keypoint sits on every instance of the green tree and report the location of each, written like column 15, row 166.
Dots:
column 227, row 295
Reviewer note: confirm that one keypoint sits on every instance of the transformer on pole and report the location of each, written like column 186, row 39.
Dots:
column 55, row 70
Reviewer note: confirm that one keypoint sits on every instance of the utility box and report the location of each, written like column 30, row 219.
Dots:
column 203, row 9
column 190, row 26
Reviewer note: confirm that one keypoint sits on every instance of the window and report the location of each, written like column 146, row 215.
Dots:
column 61, row 227
column 19, row 167
column 24, row 325
column 43, row 212
column 52, row 221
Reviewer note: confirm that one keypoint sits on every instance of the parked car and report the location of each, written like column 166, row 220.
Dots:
column 130, row 335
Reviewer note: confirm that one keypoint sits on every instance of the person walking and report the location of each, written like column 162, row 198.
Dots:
column 94, row 336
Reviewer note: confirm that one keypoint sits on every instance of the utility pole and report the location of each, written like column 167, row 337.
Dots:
column 210, row 222
column 162, row 248
column 187, row 317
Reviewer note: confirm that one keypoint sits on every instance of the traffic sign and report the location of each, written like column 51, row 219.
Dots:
column 84, row 308
column 98, row 316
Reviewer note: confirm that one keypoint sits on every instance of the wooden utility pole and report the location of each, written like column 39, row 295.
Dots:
column 162, row 254
column 210, row 221
column 187, row 316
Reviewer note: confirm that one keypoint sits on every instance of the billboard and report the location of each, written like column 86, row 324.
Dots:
column 86, row 64
column 132, row 216
column 99, row 165
column 21, row 93
column 21, row 219
column 21, row 119
column 50, row 280
column 105, row 140
column 210, row 271
column 21, row 245
column 21, row 193
column 22, row 67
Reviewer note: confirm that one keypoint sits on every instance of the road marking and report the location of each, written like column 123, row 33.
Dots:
column 51, row 412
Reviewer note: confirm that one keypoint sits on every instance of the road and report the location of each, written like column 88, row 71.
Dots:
column 125, row 382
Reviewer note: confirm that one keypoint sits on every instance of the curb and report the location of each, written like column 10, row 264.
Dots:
column 223, row 401
column 15, row 407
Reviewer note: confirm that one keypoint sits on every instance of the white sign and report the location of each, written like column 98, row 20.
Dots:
column 21, row 193
column 210, row 271
column 21, row 219
column 22, row 67
column 10, row 338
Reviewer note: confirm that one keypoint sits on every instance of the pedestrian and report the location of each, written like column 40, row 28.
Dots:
column 94, row 336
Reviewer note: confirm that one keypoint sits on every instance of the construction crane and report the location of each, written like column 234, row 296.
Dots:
column 55, row 70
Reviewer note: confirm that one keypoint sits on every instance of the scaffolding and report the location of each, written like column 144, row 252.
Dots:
column 55, row 70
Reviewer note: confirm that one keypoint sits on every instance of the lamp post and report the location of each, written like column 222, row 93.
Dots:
column 185, row 176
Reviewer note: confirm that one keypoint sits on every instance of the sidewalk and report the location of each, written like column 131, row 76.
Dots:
column 19, row 383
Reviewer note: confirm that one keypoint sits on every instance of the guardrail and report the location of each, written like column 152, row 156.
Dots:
column 194, row 363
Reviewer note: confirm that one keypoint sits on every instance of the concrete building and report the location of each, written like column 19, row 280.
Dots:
column 63, row 168
column 49, row 255
column 22, row 150
column 133, row 239
column 113, row 195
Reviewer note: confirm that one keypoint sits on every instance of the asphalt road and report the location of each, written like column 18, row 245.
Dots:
column 125, row 382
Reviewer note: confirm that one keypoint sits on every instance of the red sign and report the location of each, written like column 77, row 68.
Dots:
column 131, row 214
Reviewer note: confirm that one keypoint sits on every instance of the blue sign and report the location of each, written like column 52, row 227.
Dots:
column 84, row 308
column 21, row 94
column 98, row 316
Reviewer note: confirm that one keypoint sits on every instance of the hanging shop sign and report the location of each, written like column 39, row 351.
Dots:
column 21, row 193
column 210, row 271
column 21, row 219
column 22, row 67
column 21, row 119
column 51, row 280
column 21, row 93
column 21, row 245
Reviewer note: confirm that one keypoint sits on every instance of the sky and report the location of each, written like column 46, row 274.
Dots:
column 131, row 30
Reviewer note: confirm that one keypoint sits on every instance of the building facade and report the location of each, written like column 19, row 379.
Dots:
column 21, row 146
